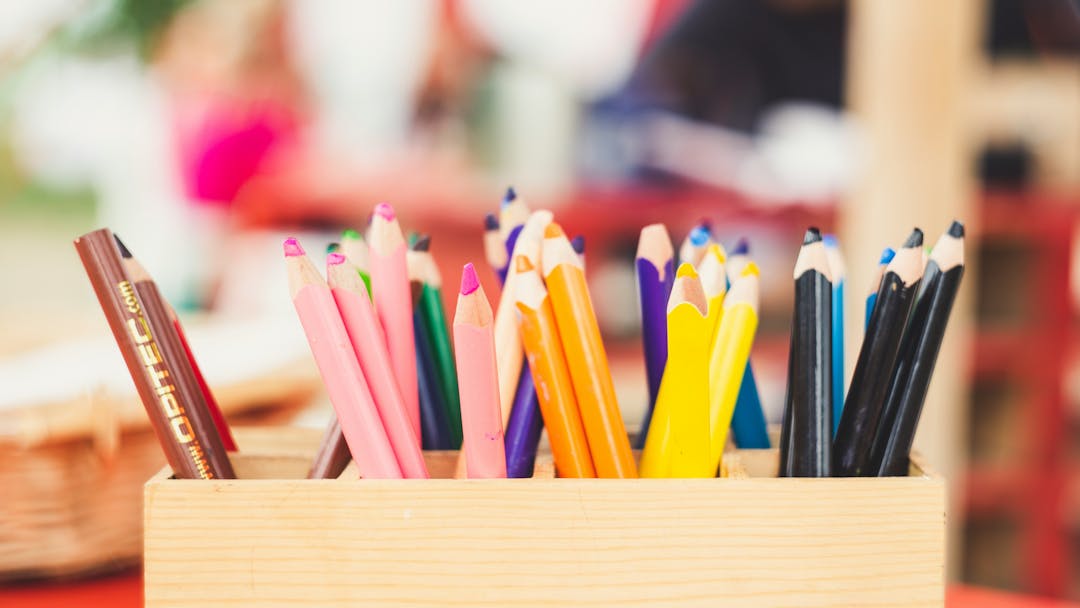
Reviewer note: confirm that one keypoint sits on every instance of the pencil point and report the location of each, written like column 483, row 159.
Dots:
column 423, row 243
column 830, row 241
column 333, row 248
column 915, row 239
column 523, row 264
column 385, row 211
column 956, row 229
column 293, row 248
column 751, row 269
column 553, row 230
column 686, row 269
column 699, row 235
column 887, row 255
column 578, row 243
column 469, row 281
column 350, row 235
column 742, row 247
column 717, row 251
column 491, row 222
column 509, row 196
column 124, row 253
column 813, row 235
column 335, row 259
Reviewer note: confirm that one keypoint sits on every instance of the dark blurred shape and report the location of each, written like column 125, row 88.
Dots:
column 1006, row 166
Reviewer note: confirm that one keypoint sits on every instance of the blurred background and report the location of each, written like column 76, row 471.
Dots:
column 205, row 131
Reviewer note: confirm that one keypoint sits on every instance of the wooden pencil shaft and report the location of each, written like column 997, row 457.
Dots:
column 866, row 395
column 333, row 455
column 184, row 445
column 188, row 392
column 914, row 368
column 811, row 388
column 580, row 333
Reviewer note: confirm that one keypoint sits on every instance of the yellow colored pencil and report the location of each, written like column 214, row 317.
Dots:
column 714, row 281
column 730, row 352
column 678, row 441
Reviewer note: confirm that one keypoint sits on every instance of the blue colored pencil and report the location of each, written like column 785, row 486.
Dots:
column 523, row 429
column 748, row 426
column 836, row 268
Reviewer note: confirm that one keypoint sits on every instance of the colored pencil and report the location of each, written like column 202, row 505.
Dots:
column 474, row 346
column 714, row 281
column 186, row 433
column 437, row 334
column 809, row 405
column 494, row 248
column 748, row 424
column 837, row 270
column 434, row 428
column 508, row 349
column 875, row 283
column 578, row 245
column 551, row 376
column 523, row 428
column 356, row 311
column 585, row 355
column 332, row 457
column 655, row 276
column 877, row 357
column 434, row 424
column 918, row 354
column 513, row 213
column 694, row 245
column 333, row 248
column 730, row 350
column 357, row 251
column 678, row 443
column 393, row 303
column 340, row 369
column 139, row 275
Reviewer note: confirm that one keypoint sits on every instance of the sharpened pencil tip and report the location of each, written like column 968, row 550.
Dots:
column 335, row 259
column 742, row 247
column 509, row 196
column 385, row 211
column 915, row 239
column 686, row 269
column 423, row 243
column 491, row 222
column 333, row 248
column 699, row 236
column 350, row 235
column 751, row 269
column 293, row 248
column 813, row 235
column 887, row 255
column 956, row 229
column 553, row 231
column 830, row 241
column 124, row 253
column 578, row 243
column 469, row 281
column 523, row 264
column 717, row 251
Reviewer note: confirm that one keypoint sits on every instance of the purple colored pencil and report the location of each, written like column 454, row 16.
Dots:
column 522, row 436
column 655, row 277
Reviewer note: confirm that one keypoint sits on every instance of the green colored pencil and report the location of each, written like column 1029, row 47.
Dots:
column 356, row 250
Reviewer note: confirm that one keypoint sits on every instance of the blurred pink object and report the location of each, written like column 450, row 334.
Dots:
column 222, row 143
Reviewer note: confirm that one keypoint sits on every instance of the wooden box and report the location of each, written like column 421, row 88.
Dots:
column 751, row 539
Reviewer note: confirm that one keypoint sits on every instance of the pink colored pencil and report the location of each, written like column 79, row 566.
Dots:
column 349, row 394
column 361, row 324
column 478, row 385
column 393, row 303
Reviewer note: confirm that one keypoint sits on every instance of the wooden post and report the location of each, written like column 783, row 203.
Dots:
column 911, row 67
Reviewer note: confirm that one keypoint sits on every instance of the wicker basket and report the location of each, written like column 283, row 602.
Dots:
column 72, row 474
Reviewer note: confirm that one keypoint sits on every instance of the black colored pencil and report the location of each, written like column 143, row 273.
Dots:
column 810, row 375
column 877, row 357
column 918, row 354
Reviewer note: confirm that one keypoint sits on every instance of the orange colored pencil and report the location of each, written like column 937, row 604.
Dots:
column 544, row 351
column 585, row 355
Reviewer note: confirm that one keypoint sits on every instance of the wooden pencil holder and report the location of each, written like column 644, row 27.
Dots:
column 273, row 538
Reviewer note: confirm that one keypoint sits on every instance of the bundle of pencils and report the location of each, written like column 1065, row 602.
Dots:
column 907, row 317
